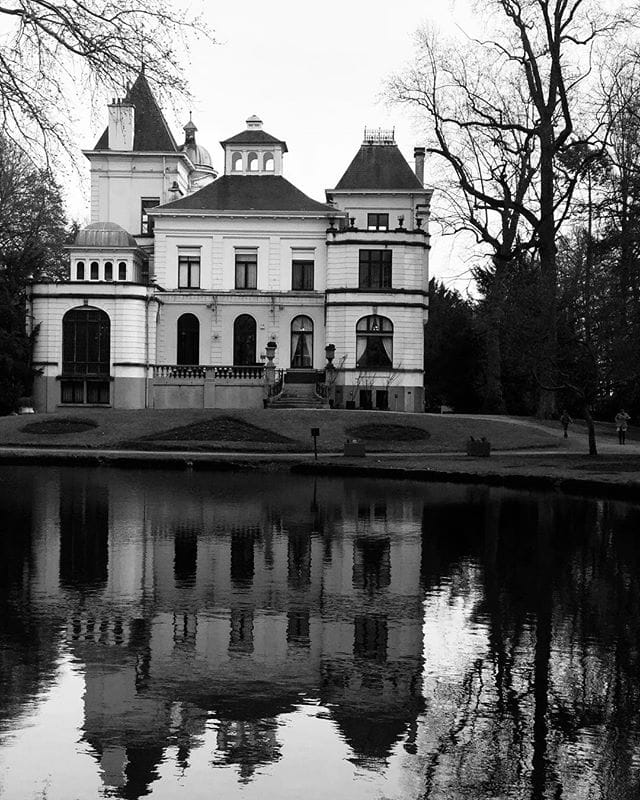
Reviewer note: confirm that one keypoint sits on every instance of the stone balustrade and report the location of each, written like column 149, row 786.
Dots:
column 178, row 373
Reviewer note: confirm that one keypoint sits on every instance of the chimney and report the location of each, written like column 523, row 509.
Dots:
column 418, row 154
column 121, row 125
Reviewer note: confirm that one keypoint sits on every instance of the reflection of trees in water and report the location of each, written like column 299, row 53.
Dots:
column 549, row 709
column 28, row 642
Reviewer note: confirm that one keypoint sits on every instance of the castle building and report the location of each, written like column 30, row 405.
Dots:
column 193, row 290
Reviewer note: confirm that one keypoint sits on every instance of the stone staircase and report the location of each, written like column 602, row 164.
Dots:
column 299, row 391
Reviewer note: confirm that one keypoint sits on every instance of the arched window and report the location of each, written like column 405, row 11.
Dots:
column 244, row 340
column 301, row 342
column 95, row 267
column 268, row 163
column 108, row 271
column 374, row 343
column 252, row 162
column 122, row 271
column 86, row 359
column 80, row 271
column 236, row 162
column 188, row 339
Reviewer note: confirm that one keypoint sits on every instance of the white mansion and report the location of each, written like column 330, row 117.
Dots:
column 189, row 290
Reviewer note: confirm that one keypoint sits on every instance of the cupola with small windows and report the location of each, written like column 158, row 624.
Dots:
column 105, row 252
column 253, row 151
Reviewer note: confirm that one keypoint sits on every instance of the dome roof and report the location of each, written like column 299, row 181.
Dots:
column 198, row 155
column 104, row 234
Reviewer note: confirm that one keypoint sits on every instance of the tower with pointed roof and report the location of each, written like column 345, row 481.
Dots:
column 378, row 277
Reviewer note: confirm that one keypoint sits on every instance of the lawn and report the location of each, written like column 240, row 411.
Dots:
column 269, row 430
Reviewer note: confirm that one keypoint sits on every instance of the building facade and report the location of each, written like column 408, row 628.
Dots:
column 193, row 290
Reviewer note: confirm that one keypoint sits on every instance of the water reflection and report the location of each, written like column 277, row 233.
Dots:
column 278, row 637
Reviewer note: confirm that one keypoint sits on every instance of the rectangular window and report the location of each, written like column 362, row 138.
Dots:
column 246, row 269
column 189, row 269
column 378, row 222
column 375, row 269
column 146, row 222
column 302, row 276
column 85, row 392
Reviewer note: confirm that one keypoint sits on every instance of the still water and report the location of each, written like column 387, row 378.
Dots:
column 171, row 635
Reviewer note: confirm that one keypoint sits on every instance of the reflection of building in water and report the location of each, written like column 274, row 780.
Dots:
column 235, row 604
column 247, row 743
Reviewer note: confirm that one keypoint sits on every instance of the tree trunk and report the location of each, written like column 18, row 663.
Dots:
column 548, row 279
column 591, row 428
column 493, row 400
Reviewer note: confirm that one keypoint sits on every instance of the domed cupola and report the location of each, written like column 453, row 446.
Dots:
column 199, row 156
column 105, row 251
column 104, row 234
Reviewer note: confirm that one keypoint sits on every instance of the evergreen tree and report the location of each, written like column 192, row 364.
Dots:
column 32, row 237
column 451, row 352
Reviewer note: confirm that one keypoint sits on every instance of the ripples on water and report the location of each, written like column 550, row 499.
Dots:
column 172, row 635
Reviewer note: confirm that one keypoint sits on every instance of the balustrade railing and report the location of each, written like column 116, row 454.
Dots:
column 210, row 372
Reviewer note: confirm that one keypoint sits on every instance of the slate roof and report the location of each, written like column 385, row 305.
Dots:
column 255, row 136
column 379, row 167
column 151, row 132
column 250, row 193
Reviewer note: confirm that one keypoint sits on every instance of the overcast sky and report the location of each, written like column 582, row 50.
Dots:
column 314, row 73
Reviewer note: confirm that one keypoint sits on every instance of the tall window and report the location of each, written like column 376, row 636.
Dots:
column 244, row 340
column 108, row 271
column 122, row 271
column 302, row 342
column 247, row 269
column 188, row 351
column 374, row 343
column 189, row 269
column 95, row 268
column 378, row 222
column 146, row 222
column 236, row 162
column 80, row 271
column 302, row 275
column 86, row 337
column 375, row 269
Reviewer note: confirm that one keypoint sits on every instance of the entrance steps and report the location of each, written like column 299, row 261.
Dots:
column 299, row 391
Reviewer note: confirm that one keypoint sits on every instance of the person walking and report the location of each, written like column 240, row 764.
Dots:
column 565, row 421
column 621, row 419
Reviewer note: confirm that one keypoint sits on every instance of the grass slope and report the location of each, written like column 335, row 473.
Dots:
column 280, row 431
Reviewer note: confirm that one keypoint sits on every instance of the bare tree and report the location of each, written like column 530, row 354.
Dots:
column 502, row 111
column 54, row 52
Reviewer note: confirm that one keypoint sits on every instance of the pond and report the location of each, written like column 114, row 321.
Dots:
column 192, row 635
